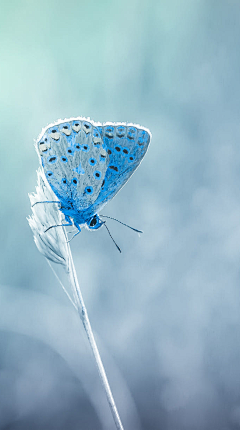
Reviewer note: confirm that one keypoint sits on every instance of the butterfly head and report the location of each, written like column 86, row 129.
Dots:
column 94, row 222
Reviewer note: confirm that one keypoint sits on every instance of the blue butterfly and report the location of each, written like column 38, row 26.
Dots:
column 87, row 163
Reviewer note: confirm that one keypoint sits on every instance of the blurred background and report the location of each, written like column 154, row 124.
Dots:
column 166, row 311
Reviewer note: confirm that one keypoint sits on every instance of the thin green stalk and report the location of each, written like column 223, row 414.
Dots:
column 87, row 326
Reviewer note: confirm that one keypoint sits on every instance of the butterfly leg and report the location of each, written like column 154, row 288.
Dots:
column 62, row 225
column 54, row 201
column 79, row 231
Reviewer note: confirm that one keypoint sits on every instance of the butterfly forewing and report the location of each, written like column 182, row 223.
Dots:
column 126, row 146
column 74, row 161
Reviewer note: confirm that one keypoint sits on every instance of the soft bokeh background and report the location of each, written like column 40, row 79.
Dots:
column 167, row 310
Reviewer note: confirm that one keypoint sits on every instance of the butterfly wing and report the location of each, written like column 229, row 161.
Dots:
column 74, row 161
column 87, row 163
column 126, row 146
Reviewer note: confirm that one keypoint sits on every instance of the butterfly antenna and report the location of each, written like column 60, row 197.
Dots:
column 112, row 238
column 134, row 229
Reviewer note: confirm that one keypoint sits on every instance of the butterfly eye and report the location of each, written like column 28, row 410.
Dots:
column 93, row 222
column 117, row 149
column 89, row 190
column 49, row 173
column 78, row 147
column 125, row 151
column 64, row 181
column 70, row 151
column 52, row 159
column 109, row 151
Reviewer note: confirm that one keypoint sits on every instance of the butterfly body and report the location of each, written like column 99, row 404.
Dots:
column 87, row 163
column 85, row 218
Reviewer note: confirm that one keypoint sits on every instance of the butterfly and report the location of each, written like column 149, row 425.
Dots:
column 86, row 163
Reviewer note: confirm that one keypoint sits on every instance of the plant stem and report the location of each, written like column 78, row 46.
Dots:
column 87, row 326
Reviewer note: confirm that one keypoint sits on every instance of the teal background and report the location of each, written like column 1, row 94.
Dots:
column 167, row 310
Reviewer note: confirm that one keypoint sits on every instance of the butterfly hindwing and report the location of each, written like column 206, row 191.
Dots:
column 74, row 161
column 126, row 146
